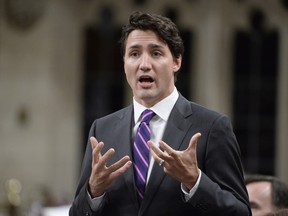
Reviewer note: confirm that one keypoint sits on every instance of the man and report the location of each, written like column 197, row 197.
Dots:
column 267, row 194
column 183, row 174
column 281, row 212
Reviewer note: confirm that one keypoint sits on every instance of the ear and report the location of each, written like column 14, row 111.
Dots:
column 177, row 63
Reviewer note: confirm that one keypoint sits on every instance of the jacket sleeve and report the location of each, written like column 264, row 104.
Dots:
column 221, row 189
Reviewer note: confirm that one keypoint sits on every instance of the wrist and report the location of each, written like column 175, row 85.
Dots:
column 92, row 192
column 192, row 181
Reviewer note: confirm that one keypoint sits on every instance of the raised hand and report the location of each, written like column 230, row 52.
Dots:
column 102, row 176
column 181, row 165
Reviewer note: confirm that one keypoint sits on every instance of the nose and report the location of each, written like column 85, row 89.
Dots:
column 145, row 64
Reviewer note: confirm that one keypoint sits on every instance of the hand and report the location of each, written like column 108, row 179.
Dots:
column 102, row 177
column 181, row 165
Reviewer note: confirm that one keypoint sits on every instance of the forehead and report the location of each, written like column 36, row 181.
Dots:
column 141, row 37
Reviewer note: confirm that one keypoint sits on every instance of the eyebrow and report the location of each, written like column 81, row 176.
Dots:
column 151, row 46
column 156, row 46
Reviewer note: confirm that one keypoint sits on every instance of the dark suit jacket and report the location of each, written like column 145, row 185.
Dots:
column 221, row 190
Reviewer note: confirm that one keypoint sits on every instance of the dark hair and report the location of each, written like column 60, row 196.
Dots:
column 162, row 26
column 279, row 189
column 281, row 212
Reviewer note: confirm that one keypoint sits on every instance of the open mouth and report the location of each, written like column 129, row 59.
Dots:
column 147, row 79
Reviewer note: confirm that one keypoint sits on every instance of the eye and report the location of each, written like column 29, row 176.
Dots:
column 134, row 54
column 156, row 53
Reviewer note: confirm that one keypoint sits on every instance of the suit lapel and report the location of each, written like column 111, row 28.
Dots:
column 122, row 133
column 176, row 128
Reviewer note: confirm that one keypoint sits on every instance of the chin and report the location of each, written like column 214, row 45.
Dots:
column 149, row 99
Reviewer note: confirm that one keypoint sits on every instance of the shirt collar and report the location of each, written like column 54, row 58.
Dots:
column 162, row 109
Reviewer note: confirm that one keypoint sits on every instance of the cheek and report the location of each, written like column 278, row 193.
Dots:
column 130, row 76
column 126, row 70
column 167, row 74
column 129, row 66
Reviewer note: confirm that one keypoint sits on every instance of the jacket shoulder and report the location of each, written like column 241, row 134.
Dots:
column 119, row 114
column 190, row 107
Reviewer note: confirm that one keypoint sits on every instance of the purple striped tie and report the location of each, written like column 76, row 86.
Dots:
column 141, row 152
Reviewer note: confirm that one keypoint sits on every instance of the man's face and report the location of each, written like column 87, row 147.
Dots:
column 260, row 198
column 149, row 67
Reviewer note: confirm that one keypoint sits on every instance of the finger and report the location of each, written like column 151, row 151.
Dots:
column 169, row 151
column 193, row 142
column 96, row 149
column 104, row 159
column 121, row 170
column 95, row 145
column 93, row 142
column 119, row 164
column 155, row 151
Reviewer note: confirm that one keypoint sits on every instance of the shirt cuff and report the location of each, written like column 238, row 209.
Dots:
column 95, row 203
column 188, row 194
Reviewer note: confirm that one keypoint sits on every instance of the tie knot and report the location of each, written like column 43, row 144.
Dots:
column 147, row 115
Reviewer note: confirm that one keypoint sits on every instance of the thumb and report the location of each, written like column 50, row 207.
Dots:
column 193, row 141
